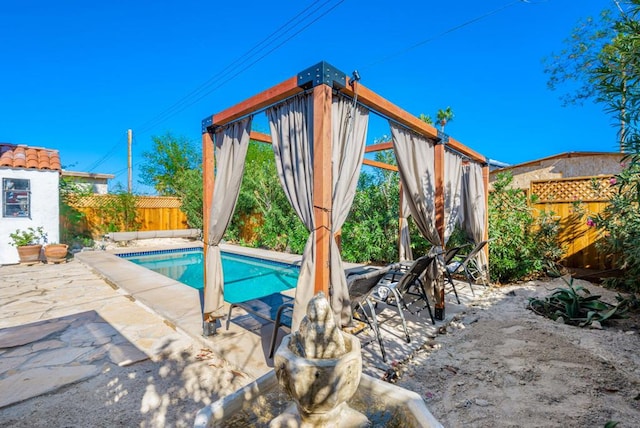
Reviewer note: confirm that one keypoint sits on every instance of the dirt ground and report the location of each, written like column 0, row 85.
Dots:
column 497, row 365
column 502, row 365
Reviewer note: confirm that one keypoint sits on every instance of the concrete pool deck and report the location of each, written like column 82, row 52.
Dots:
column 136, row 317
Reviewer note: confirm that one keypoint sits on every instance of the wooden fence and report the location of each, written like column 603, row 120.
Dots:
column 151, row 213
column 572, row 201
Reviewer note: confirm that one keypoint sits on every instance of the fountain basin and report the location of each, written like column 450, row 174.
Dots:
column 257, row 403
column 319, row 385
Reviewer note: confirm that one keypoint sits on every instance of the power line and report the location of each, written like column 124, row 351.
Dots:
column 450, row 30
column 187, row 100
column 257, row 60
column 104, row 158
column 221, row 72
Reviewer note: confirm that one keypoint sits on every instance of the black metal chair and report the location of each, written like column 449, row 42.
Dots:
column 399, row 286
column 465, row 265
column 276, row 308
column 360, row 288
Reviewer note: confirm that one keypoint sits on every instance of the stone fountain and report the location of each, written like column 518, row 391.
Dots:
column 319, row 367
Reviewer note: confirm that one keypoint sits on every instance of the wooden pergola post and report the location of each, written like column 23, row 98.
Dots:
column 322, row 185
column 439, row 206
column 208, row 168
column 485, row 179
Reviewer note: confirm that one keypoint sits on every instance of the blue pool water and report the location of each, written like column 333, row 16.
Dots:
column 244, row 277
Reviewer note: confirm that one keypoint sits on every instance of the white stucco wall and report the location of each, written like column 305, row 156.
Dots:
column 45, row 209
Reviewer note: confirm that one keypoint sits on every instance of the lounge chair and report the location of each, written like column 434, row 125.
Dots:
column 276, row 308
column 360, row 288
column 398, row 286
column 467, row 266
column 448, row 259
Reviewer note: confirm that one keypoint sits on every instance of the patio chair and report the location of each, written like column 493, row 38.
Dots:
column 398, row 285
column 448, row 259
column 275, row 308
column 466, row 265
column 360, row 288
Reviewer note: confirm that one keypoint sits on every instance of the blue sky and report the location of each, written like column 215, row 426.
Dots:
column 76, row 75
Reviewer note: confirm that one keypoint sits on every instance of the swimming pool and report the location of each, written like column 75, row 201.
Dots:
column 244, row 277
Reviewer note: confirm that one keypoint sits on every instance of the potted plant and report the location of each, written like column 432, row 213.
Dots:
column 29, row 244
column 56, row 253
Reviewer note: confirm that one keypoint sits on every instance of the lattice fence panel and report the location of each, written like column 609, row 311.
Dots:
column 98, row 201
column 588, row 189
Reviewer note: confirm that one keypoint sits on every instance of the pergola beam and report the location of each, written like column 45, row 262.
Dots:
column 257, row 102
column 387, row 109
column 381, row 165
column 378, row 147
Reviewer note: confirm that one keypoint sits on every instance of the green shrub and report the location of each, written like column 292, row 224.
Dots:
column 619, row 224
column 520, row 246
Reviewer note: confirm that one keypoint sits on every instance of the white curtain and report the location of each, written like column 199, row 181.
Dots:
column 231, row 143
column 416, row 165
column 404, row 239
column 291, row 133
column 415, row 157
column 349, row 132
column 473, row 212
column 452, row 191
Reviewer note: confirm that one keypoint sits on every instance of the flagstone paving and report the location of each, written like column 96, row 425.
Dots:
column 61, row 324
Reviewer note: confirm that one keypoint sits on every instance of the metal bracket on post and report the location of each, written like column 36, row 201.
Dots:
column 206, row 124
column 322, row 73
column 209, row 328
column 444, row 138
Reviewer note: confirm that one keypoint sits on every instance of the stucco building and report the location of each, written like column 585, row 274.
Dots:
column 563, row 165
column 30, row 181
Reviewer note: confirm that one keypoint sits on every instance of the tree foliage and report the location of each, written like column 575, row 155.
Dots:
column 574, row 65
column 263, row 215
column 610, row 68
column 174, row 168
column 167, row 161
column 370, row 233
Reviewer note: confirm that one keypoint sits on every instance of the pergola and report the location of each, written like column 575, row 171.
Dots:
column 308, row 130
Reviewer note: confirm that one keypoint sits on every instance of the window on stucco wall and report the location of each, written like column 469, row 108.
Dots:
column 16, row 197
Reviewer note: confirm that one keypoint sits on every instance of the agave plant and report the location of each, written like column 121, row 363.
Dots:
column 576, row 306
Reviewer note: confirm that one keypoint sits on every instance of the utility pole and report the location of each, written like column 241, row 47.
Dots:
column 129, row 135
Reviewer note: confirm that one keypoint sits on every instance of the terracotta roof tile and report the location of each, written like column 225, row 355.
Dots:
column 21, row 156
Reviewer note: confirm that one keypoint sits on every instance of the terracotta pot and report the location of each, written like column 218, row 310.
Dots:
column 29, row 254
column 56, row 253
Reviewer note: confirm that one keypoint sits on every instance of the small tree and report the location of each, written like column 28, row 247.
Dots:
column 174, row 168
column 119, row 212
column 73, row 228
column 444, row 116
column 170, row 158
column 262, row 201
